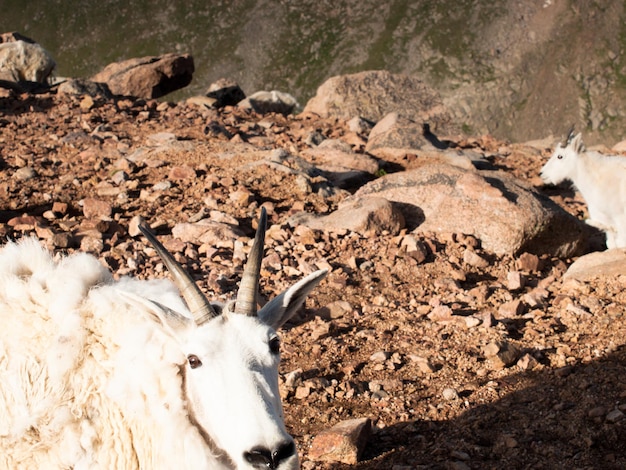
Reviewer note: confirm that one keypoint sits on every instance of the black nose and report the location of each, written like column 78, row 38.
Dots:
column 261, row 457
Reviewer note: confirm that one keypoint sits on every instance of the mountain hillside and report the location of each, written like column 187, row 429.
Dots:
column 518, row 70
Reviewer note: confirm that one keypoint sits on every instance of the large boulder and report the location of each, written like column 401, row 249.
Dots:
column 366, row 216
column 609, row 264
column 24, row 61
column 508, row 216
column 374, row 94
column 148, row 77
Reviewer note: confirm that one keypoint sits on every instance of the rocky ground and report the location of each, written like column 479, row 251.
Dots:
column 493, row 362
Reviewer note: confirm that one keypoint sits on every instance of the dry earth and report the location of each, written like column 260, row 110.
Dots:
column 460, row 365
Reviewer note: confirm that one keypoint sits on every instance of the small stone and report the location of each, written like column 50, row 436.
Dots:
column 119, row 177
column 509, row 441
column 62, row 240
column 321, row 330
column 293, row 378
column 95, row 208
column 374, row 386
column 449, row 394
column 527, row 262
column 536, row 297
column 380, row 356
column 241, row 197
column 415, row 248
column 343, row 443
column 162, row 186
column 179, row 173
column 24, row 174
column 511, row 309
column 440, row 313
column 45, row 233
column 515, row 280
column 596, row 412
column 49, row 215
column 614, row 416
column 527, row 362
column 108, row 191
column 23, row 223
column 472, row 258
column 86, row 103
column 486, row 318
column 480, row 293
column 502, row 355
column 423, row 364
column 471, row 321
column 59, row 208
column 92, row 245
column 491, row 350
column 302, row 391
column 337, row 309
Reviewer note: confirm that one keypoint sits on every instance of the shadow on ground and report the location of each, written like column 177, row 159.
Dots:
column 564, row 418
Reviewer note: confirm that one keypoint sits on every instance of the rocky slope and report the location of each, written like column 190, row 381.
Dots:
column 462, row 358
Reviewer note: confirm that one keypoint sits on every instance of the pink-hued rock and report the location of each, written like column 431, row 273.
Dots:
column 507, row 215
column 148, row 77
column 343, row 443
column 96, row 208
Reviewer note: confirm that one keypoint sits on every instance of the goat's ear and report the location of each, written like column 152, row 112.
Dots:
column 173, row 322
column 577, row 143
column 281, row 308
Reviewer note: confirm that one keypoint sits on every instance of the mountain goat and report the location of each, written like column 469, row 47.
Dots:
column 97, row 373
column 601, row 180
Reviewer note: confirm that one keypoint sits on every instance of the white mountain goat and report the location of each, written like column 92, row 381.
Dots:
column 104, row 374
column 601, row 180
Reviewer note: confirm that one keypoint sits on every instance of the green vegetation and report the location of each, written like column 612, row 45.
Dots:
column 263, row 45
column 619, row 64
column 382, row 48
column 295, row 46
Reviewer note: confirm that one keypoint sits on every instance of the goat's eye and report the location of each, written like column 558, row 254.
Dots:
column 275, row 345
column 194, row 361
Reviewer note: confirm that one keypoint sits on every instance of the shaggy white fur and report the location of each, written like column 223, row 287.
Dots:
column 85, row 381
column 104, row 374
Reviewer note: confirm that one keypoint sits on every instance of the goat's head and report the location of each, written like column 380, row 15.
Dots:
column 562, row 164
column 231, row 374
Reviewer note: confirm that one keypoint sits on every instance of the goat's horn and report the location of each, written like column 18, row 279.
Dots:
column 197, row 303
column 246, row 296
column 570, row 135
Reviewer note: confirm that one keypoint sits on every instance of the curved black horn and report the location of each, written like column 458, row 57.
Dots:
column 197, row 303
column 570, row 135
column 246, row 296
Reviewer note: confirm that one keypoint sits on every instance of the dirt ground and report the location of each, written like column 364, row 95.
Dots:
column 526, row 372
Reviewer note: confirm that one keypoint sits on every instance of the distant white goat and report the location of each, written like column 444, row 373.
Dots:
column 104, row 374
column 601, row 180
